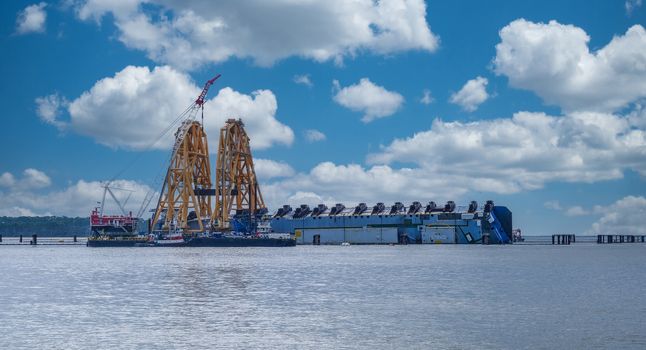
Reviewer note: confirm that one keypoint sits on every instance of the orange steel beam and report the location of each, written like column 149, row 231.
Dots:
column 236, row 185
column 189, row 170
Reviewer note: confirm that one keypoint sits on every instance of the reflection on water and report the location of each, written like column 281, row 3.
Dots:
column 580, row 296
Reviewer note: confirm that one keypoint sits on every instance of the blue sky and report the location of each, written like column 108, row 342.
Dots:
column 536, row 105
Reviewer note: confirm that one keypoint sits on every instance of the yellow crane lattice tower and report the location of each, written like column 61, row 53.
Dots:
column 236, row 185
column 188, row 181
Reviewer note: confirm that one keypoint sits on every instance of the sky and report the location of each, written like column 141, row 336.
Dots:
column 537, row 105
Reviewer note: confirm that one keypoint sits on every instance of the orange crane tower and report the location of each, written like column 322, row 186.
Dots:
column 187, row 184
column 236, row 185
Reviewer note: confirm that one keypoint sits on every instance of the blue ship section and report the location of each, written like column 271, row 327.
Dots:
column 460, row 225
column 500, row 217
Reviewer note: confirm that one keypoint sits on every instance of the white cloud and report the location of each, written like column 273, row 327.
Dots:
column 625, row 216
column 372, row 100
column 554, row 61
column 351, row 184
column 576, row 211
column 267, row 169
column 32, row 179
column 31, row 19
column 427, row 98
column 313, row 135
column 526, row 151
column 303, row 80
column 26, row 197
column 188, row 34
column 132, row 108
column 17, row 211
column 7, row 180
column 49, row 109
column 632, row 5
column 472, row 94
column 258, row 112
column 455, row 159
column 571, row 211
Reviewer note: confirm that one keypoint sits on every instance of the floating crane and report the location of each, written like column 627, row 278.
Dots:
column 237, row 187
column 185, row 202
column 185, row 191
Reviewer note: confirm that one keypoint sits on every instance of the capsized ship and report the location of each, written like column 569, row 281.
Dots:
column 397, row 223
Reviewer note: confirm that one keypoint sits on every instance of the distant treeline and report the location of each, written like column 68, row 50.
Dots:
column 44, row 226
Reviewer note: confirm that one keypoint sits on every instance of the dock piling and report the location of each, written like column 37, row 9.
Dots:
column 607, row 239
column 561, row 239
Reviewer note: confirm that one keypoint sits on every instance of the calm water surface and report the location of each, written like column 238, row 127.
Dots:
column 328, row 297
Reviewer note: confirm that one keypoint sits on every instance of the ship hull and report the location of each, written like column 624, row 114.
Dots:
column 196, row 242
column 238, row 242
column 115, row 242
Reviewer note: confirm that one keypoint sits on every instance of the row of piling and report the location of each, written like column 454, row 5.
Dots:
column 563, row 239
column 605, row 239
column 34, row 239
column 567, row 239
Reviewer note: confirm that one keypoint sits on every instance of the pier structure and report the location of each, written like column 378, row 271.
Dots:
column 563, row 239
column 606, row 239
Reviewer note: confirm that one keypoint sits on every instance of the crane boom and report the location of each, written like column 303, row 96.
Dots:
column 200, row 99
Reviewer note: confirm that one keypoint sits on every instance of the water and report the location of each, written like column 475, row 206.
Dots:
column 582, row 296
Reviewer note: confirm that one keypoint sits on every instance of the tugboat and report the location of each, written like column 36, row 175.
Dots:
column 263, row 237
column 174, row 239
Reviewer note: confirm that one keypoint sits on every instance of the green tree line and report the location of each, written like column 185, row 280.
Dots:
column 44, row 226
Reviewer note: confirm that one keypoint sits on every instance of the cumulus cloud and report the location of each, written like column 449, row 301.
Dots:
column 427, row 98
column 31, row 179
column 366, row 97
column 188, row 34
column 571, row 211
column 132, row 108
column 258, row 112
column 313, row 135
column 31, row 19
column 472, row 94
column 268, row 169
column 49, row 109
column 625, row 216
column 526, row 151
column 553, row 204
column 18, row 211
column 25, row 197
column 303, row 80
column 7, row 180
column 454, row 159
column 632, row 5
column 576, row 211
column 351, row 184
column 554, row 61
